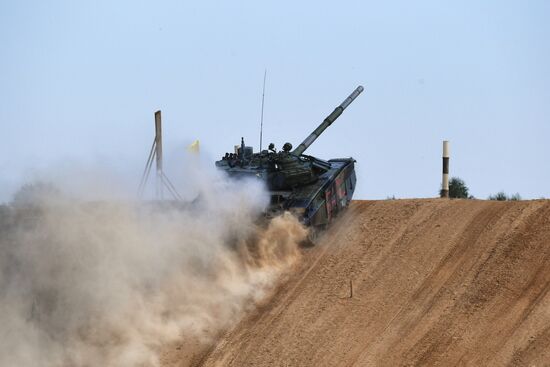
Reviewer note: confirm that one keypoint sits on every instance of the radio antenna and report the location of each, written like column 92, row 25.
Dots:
column 262, row 116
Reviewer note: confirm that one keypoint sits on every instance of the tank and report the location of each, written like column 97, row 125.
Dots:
column 313, row 189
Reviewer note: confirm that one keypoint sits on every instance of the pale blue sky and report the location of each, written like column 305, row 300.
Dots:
column 79, row 82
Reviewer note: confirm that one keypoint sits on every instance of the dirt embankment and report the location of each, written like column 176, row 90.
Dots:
column 435, row 282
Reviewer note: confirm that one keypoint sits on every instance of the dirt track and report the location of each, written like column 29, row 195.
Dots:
column 435, row 282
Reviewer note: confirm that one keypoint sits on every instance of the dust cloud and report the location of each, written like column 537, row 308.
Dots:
column 108, row 283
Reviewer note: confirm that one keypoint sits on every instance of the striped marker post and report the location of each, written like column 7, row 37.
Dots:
column 445, row 184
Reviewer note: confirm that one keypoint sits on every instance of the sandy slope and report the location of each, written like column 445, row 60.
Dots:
column 435, row 282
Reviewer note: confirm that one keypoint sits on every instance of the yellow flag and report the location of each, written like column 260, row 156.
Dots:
column 194, row 148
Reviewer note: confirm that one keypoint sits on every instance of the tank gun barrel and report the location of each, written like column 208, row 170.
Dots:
column 327, row 122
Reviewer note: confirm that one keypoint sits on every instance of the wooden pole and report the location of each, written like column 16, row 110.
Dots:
column 158, row 151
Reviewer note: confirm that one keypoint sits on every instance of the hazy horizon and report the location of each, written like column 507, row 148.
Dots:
column 80, row 83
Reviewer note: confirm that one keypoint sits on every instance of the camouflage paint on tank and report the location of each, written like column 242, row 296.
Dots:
column 313, row 189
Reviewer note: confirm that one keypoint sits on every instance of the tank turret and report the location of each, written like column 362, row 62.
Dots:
column 313, row 187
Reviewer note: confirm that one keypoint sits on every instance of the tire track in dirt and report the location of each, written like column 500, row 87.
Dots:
column 436, row 282
column 434, row 287
column 270, row 311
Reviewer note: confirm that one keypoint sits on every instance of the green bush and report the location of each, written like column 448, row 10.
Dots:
column 499, row 196
column 502, row 196
column 35, row 193
column 457, row 189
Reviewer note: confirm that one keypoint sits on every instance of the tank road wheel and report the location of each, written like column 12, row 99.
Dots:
column 312, row 237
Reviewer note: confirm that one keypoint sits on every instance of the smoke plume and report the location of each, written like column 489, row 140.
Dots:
column 109, row 283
